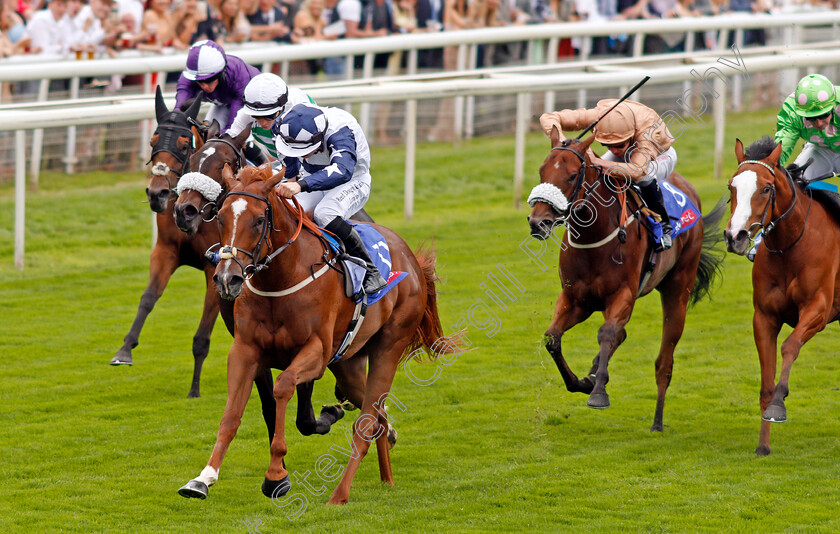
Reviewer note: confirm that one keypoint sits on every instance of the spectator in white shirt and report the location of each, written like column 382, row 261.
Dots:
column 47, row 35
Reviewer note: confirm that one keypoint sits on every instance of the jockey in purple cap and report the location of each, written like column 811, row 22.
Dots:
column 222, row 78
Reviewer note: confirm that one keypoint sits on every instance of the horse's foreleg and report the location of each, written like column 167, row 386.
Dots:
column 163, row 263
column 610, row 336
column 265, row 389
column 241, row 370
column 811, row 321
column 765, row 331
column 305, row 367
column 201, row 340
column 566, row 315
column 372, row 422
column 674, row 295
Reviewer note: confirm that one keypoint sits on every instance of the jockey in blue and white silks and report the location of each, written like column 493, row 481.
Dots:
column 222, row 78
column 327, row 153
column 266, row 97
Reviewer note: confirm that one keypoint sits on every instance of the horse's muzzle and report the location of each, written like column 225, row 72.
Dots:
column 228, row 285
column 186, row 217
column 158, row 199
column 541, row 227
column 739, row 243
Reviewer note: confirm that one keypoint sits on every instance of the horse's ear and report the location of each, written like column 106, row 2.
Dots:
column 160, row 105
column 265, row 170
column 556, row 136
column 739, row 150
column 773, row 158
column 274, row 180
column 192, row 111
column 228, row 177
column 587, row 142
column 214, row 129
column 240, row 139
column 199, row 140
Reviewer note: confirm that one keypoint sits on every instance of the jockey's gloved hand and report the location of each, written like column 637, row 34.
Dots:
column 794, row 170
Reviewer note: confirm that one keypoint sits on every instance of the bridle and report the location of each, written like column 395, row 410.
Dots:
column 168, row 135
column 770, row 207
column 564, row 146
column 210, row 206
column 228, row 252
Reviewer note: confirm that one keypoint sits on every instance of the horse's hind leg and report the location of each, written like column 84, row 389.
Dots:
column 372, row 422
column 201, row 340
column 163, row 263
column 566, row 315
column 610, row 336
column 675, row 291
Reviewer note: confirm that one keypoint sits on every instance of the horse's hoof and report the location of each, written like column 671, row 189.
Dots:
column 122, row 358
column 775, row 414
column 194, row 489
column 193, row 394
column 334, row 412
column 657, row 427
column 276, row 488
column 392, row 437
column 587, row 384
column 598, row 401
column 762, row 450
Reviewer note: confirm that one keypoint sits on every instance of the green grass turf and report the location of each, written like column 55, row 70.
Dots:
column 495, row 444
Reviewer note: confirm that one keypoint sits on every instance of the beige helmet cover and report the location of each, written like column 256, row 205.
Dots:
column 617, row 126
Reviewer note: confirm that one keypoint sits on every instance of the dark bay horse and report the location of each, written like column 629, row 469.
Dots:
column 172, row 146
column 300, row 330
column 796, row 274
column 601, row 273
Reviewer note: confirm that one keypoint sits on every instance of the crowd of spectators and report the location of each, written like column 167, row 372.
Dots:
column 99, row 27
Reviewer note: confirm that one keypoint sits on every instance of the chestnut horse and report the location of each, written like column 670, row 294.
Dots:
column 600, row 272
column 172, row 145
column 796, row 275
column 300, row 330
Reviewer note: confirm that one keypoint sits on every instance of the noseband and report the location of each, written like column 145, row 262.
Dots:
column 768, row 227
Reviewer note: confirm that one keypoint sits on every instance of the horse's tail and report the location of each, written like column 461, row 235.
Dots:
column 429, row 334
column 711, row 255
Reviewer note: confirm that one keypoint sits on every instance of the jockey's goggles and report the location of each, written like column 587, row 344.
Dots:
column 820, row 117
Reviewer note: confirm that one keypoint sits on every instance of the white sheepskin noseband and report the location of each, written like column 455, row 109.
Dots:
column 544, row 192
column 208, row 187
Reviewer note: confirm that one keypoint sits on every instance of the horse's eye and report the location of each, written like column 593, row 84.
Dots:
column 767, row 188
column 260, row 221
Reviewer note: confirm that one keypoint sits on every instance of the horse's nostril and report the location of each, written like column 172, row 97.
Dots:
column 189, row 211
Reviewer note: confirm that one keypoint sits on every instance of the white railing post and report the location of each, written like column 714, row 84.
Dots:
column 719, row 111
column 585, row 49
column 70, row 150
column 551, row 59
column 20, row 196
column 364, row 111
column 410, row 143
column 38, row 137
column 458, row 113
column 519, row 155
column 469, row 114
column 737, row 82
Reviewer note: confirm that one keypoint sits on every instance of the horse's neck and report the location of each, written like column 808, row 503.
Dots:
column 602, row 211
column 790, row 227
column 294, row 263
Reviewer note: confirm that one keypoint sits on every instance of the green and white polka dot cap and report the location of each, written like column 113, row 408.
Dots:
column 814, row 96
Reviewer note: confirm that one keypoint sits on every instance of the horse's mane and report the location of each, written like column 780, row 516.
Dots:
column 761, row 148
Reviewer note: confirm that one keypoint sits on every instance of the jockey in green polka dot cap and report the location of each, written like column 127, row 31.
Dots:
column 809, row 113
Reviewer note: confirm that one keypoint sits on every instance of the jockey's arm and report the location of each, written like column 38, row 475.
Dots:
column 241, row 121
column 185, row 90
column 568, row 120
column 788, row 130
column 342, row 148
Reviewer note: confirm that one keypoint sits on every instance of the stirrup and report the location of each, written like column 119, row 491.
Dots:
column 665, row 243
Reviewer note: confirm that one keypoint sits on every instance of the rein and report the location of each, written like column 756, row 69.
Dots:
column 770, row 207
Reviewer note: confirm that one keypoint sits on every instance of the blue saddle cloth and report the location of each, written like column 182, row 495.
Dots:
column 379, row 252
column 682, row 211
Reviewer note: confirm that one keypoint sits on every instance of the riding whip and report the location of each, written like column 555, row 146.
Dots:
column 623, row 98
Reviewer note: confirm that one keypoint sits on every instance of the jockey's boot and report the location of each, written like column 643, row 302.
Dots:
column 254, row 154
column 373, row 281
column 653, row 197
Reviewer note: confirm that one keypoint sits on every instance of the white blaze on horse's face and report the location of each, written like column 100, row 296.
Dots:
column 745, row 185
column 209, row 151
column 239, row 205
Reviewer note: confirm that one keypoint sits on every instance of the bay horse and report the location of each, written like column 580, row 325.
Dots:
column 172, row 146
column 300, row 330
column 600, row 272
column 796, row 274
